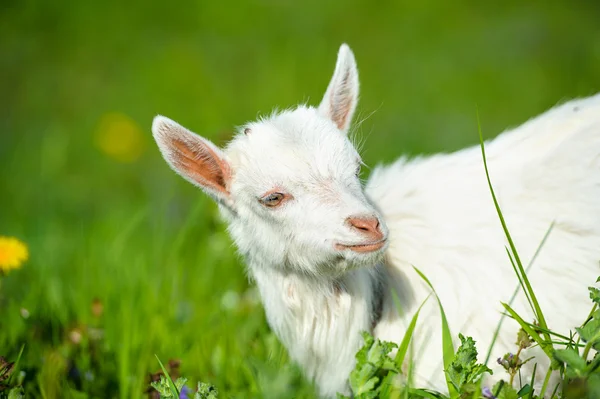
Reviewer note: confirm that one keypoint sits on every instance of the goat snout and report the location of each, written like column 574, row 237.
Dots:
column 367, row 226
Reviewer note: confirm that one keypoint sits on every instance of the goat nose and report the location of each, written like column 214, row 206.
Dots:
column 369, row 226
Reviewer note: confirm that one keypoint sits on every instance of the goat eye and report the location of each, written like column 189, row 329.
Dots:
column 272, row 200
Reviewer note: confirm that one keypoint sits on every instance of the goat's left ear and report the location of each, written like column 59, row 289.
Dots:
column 341, row 96
column 193, row 157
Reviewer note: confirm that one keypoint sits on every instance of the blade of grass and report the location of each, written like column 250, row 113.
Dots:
column 426, row 394
column 532, row 381
column 409, row 375
column 516, row 270
column 550, row 332
column 516, row 291
column 174, row 390
column 403, row 348
column 555, row 390
column 586, row 321
column 41, row 387
column 526, row 285
column 499, row 389
column 447, row 346
column 545, row 384
column 16, row 364
column 544, row 344
column 568, row 344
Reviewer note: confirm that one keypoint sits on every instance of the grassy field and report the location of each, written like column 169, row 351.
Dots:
column 126, row 259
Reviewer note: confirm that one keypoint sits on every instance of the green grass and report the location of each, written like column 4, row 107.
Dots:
column 147, row 245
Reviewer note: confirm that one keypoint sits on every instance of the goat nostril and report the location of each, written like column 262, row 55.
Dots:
column 366, row 225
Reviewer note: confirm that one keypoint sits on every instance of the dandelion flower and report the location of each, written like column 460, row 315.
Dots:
column 12, row 254
column 120, row 137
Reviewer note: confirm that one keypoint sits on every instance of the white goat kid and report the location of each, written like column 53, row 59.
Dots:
column 315, row 241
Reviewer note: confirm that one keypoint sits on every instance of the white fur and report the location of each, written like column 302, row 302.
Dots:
column 440, row 216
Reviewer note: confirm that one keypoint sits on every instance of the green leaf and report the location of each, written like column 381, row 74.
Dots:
column 162, row 387
column 180, row 382
column 590, row 331
column 594, row 385
column 391, row 386
column 367, row 386
column 16, row 393
column 206, row 391
column 464, row 372
column 523, row 339
column 593, row 365
column 425, row 393
column 503, row 390
column 594, row 294
column 571, row 358
column 524, row 390
column 371, row 360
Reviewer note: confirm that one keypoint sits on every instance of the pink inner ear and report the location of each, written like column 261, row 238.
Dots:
column 341, row 103
column 340, row 111
column 202, row 164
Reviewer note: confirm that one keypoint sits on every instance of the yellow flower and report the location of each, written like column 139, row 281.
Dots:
column 12, row 254
column 119, row 137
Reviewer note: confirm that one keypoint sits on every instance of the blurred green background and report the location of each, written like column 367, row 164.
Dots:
column 128, row 260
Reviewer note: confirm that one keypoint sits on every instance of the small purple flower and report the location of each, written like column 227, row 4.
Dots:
column 185, row 392
column 509, row 361
column 487, row 393
column 504, row 363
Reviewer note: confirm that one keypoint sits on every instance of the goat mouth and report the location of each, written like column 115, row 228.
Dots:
column 362, row 248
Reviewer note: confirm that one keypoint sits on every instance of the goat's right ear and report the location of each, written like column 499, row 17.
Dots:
column 341, row 96
column 194, row 158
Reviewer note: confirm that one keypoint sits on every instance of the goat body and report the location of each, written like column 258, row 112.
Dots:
column 328, row 256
